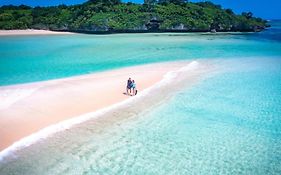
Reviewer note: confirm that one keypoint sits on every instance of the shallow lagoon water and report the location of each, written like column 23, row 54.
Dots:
column 26, row 59
column 227, row 123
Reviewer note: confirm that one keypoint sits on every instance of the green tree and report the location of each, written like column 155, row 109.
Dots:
column 99, row 15
column 248, row 15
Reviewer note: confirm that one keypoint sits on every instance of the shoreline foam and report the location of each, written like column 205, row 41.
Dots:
column 66, row 124
column 53, row 101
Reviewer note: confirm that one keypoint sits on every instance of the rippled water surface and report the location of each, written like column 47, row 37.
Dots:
column 227, row 123
column 36, row 58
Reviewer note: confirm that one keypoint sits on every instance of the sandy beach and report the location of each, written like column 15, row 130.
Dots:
column 30, row 32
column 28, row 108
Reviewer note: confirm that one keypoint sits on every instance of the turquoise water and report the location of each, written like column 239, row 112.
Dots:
column 227, row 123
column 35, row 58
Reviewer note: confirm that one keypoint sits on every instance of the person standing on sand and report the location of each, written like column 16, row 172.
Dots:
column 129, row 86
column 134, row 85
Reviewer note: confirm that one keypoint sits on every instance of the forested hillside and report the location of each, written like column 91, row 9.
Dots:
column 113, row 15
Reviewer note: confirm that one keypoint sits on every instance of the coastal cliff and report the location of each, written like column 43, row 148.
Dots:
column 109, row 16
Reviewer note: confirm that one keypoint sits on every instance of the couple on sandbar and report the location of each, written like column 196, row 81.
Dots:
column 131, row 85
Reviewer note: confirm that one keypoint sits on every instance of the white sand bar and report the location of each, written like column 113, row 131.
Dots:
column 30, row 32
column 28, row 108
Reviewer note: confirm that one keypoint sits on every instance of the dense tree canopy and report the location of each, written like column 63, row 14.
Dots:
column 110, row 15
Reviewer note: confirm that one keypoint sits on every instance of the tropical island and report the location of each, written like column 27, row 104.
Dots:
column 110, row 16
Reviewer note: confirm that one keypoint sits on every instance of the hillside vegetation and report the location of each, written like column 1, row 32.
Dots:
column 113, row 15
